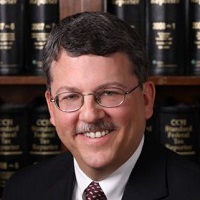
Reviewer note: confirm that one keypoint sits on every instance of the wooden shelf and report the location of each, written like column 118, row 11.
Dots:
column 176, row 80
column 158, row 80
column 22, row 80
column 69, row 7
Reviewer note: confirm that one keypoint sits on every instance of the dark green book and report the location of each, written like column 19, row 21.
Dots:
column 43, row 140
column 41, row 17
column 165, row 36
column 179, row 129
column 13, row 146
column 194, row 38
column 132, row 12
column 11, row 37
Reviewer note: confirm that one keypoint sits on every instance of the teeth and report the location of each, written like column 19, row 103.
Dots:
column 97, row 134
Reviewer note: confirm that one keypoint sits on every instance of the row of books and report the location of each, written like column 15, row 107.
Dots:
column 26, row 137
column 24, row 28
column 170, row 31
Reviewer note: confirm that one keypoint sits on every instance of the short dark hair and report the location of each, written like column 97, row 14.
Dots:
column 98, row 33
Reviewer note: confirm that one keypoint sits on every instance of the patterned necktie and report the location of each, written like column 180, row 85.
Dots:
column 94, row 192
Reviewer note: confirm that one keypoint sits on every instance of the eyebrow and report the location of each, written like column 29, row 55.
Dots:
column 105, row 85
column 66, row 89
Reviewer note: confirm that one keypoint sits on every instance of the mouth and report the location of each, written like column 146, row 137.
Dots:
column 97, row 134
column 97, row 130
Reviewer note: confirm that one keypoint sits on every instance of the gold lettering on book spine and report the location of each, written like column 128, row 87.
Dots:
column 196, row 25
column 125, row 2
column 179, row 132
column 42, row 2
column 3, row 2
column 7, row 169
column 195, row 1
column 7, row 30
column 9, row 133
column 162, row 2
column 163, row 37
column 44, row 134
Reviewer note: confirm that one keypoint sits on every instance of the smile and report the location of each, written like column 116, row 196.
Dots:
column 97, row 134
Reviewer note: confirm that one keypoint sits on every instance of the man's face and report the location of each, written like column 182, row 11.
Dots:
column 124, row 125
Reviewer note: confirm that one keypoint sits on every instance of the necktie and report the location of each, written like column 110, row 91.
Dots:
column 94, row 192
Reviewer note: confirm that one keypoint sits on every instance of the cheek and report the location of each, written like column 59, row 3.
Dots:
column 65, row 123
column 122, row 117
column 65, row 127
column 130, row 128
column 131, row 115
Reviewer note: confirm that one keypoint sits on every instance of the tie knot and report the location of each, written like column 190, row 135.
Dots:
column 94, row 192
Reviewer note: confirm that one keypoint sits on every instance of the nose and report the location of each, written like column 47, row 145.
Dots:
column 91, row 111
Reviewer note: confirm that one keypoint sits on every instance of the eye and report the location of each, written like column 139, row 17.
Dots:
column 69, row 97
column 110, row 92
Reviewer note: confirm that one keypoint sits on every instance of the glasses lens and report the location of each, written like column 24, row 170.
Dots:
column 69, row 101
column 110, row 97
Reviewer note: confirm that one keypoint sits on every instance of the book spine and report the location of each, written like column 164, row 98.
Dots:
column 43, row 139
column 12, row 141
column 42, row 16
column 130, row 11
column 194, row 38
column 11, row 37
column 165, row 36
column 178, row 129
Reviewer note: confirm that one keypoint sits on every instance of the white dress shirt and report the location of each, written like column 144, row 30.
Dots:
column 113, row 185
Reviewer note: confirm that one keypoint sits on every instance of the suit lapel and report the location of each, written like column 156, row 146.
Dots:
column 148, row 178
column 62, row 181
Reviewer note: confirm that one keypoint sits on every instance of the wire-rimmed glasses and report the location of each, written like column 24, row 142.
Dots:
column 110, row 97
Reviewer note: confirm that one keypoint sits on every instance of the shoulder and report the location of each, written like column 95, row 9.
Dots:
column 181, row 174
column 45, row 167
column 180, row 168
column 175, row 163
column 178, row 175
column 37, row 179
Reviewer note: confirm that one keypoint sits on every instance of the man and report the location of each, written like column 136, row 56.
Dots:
column 99, row 99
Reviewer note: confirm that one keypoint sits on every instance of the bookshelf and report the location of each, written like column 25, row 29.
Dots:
column 158, row 80
column 22, row 89
column 22, row 80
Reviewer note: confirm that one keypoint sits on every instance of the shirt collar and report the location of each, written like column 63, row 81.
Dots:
column 117, row 179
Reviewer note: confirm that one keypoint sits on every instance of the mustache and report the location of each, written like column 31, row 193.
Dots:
column 98, row 126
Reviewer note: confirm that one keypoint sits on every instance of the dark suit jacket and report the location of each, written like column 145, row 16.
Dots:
column 158, row 174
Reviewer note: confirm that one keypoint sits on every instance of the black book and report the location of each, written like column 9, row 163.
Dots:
column 165, row 36
column 193, row 63
column 11, row 37
column 179, row 129
column 13, row 146
column 132, row 12
column 41, row 17
column 43, row 141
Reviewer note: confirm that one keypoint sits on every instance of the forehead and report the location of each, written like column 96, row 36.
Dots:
column 90, row 71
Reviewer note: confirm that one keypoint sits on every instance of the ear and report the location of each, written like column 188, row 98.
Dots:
column 50, row 106
column 149, row 93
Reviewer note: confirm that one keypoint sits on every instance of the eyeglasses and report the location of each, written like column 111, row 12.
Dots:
column 105, row 97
